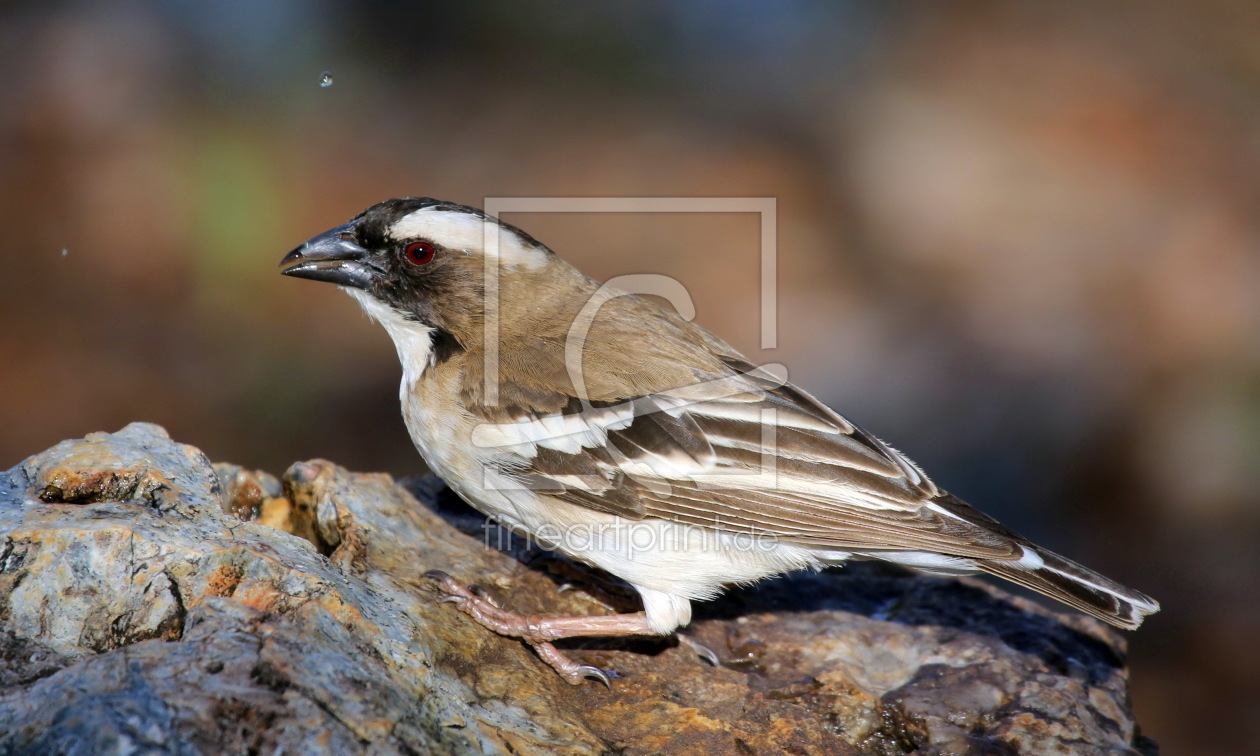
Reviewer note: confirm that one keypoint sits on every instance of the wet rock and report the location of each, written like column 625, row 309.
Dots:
column 153, row 603
column 252, row 495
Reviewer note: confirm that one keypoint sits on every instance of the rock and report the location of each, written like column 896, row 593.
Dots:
column 253, row 495
column 153, row 603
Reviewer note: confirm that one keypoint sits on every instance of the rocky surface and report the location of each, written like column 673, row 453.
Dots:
column 153, row 603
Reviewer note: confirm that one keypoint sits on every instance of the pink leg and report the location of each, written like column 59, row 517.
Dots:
column 539, row 632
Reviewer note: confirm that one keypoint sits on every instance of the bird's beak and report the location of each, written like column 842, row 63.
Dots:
column 332, row 256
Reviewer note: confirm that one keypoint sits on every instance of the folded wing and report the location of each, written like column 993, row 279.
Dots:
column 740, row 452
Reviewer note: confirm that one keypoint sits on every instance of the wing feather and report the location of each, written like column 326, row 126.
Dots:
column 742, row 454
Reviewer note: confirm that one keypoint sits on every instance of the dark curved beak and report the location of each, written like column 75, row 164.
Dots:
column 333, row 256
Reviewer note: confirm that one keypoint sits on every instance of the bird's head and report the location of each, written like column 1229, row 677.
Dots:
column 419, row 261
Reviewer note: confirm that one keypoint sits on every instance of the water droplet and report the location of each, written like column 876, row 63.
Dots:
column 325, row 79
column 64, row 251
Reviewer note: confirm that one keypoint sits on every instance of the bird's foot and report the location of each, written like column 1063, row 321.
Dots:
column 539, row 632
column 569, row 670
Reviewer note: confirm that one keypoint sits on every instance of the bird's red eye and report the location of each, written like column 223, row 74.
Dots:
column 419, row 253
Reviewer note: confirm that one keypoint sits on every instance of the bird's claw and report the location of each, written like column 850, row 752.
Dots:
column 595, row 673
column 482, row 594
column 701, row 650
column 455, row 591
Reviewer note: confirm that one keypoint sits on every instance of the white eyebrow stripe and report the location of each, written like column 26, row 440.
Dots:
column 467, row 233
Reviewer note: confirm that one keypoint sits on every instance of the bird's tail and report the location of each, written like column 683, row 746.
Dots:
column 1078, row 587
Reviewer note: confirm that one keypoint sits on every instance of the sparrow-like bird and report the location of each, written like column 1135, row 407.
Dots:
column 615, row 431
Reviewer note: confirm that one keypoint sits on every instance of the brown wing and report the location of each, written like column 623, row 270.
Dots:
column 693, row 434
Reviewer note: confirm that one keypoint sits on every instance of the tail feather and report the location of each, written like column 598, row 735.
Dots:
column 1074, row 585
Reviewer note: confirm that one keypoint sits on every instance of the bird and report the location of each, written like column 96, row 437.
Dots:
column 618, row 433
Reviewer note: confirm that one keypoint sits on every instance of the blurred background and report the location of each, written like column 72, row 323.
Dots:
column 1021, row 243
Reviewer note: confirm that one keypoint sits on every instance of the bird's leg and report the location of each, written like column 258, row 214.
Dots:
column 605, row 591
column 539, row 632
column 476, row 604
